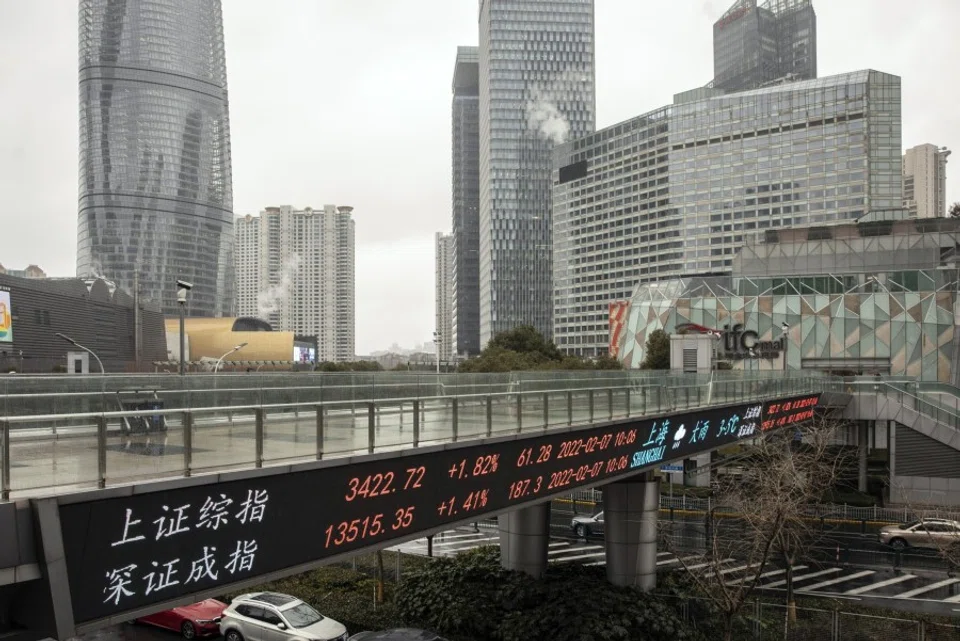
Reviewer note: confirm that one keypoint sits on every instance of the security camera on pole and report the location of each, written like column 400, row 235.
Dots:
column 182, row 288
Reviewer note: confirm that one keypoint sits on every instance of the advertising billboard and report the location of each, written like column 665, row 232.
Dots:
column 6, row 318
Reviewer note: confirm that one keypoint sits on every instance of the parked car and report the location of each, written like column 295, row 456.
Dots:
column 397, row 634
column 584, row 526
column 191, row 621
column 925, row 533
column 270, row 616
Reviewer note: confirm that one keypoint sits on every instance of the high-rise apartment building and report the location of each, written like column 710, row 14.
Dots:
column 925, row 181
column 155, row 177
column 246, row 252
column 444, row 323
column 536, row 90
column 757, row 44
column 678, row 190
column 295, row 269
column 466, row 202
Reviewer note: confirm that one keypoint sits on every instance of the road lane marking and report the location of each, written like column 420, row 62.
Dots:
column 880, row 584
column 811, row 575
column 927, row 588
column 840, row 579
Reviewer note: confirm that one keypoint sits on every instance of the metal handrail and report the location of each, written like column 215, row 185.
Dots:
column 665, row 399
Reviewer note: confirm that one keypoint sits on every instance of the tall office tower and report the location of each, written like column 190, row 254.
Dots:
column 444, row 323
column 466, row 202
column 925, row 181
column 155, row 180
column 755, row 45
column 679, row 190
column 295, row 269
column 536, row 90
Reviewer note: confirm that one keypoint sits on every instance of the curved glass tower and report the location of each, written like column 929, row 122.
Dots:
column 156, row 195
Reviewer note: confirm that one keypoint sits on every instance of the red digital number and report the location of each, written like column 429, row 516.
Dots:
column 350, row 531
column 414, row 477
column 372, row 486
column 404, row 518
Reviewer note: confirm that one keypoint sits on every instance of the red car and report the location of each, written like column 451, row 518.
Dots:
column 191, row 621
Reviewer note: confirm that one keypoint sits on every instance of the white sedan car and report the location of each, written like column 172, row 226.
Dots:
column 270, row 616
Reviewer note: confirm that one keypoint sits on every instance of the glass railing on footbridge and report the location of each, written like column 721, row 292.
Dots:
column 96, row 431
column 935, row 400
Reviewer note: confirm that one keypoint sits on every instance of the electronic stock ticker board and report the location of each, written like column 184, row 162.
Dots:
column 130, row 552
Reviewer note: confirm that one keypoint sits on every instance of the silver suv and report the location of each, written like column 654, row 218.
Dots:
column 269, row 616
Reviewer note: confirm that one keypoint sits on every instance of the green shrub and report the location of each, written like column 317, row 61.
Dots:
column 472, row 596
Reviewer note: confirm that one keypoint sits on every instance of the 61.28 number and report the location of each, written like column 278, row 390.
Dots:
column 367, row 527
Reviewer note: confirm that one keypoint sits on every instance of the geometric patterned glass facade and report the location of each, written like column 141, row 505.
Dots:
column 754, row 45
column 536, row 90
column 678, row 190
column 879, row 301
column 466, row 201
column 155, row 176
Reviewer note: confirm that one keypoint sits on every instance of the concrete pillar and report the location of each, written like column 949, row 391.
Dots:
column 630, row 510
column 524, row 539
column 862, row 441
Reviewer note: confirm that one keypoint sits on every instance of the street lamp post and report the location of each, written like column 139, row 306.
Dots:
column 216, row 367
column 785, row 328
column 436, row 345
column 86, row 349
column 182, row 288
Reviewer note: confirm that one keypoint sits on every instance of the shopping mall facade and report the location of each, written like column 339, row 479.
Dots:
column 872, row 297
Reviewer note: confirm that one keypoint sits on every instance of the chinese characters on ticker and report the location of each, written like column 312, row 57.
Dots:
column 785, row 413
column 128, row 552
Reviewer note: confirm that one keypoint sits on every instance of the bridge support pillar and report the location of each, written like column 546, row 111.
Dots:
column 524, row 539
column 862, row 445
column 630, row 510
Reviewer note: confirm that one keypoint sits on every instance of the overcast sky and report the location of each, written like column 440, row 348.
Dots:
column 347, row 102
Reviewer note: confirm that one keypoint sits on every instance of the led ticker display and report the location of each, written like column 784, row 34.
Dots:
column 789, row 412
column 130, row 552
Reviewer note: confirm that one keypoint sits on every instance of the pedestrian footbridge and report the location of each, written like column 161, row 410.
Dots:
column 126, row 495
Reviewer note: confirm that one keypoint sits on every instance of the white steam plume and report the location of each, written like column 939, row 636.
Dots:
column 543, row 115
column 269, row 301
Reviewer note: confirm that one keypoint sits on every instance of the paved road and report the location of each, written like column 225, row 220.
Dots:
column 814, row 579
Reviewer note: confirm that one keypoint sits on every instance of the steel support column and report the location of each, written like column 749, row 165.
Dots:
column 524, row 539
column 630, row 510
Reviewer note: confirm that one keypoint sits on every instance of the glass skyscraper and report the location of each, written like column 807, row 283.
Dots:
column 466, row 202
column 536, row 90
column 155, row 178
column 757, row 44
column 678, row 190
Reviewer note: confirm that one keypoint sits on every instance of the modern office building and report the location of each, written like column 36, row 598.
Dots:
column 925, row 181
column 872, row 297
column 155, row 176
column 676, row 190
column 444, row 284
column 295, row 269
column 754, row 45
column 536, row 90
column 466, row 202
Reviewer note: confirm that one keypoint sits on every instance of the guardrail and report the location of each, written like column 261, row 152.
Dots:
column 593, row 499
column 43, row 452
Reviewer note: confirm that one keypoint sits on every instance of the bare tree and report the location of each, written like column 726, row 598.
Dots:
column 768, row 517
